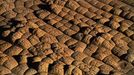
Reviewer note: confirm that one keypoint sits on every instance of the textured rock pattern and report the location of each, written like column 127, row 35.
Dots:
column 66, row 37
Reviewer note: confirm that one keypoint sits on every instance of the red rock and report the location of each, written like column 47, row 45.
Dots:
column 63, row 38
column 16, row 36
column 87, row 38
column 107, row 14
column 89, row 14
column 101, row 53
column 72, row 5
column 89, row 51
column 14, row 50
column 67, row 60
column 57, row 69
column 34, row 40
column 42, row 14
column 105, row 69
column 20, row 70
column 4, row 70
column 24, row 43
column 43, row 67
column 30, row 71
column 5, row 46
column 117, row 11
column 93, row 70
column 62, row 13
column 113, row 61
column 96, row 63
column 108, row 44
column 114, row 24
column 77, row 71
column 84, row 4
column 39, row 32
column 78, row 55
column 48, row 60
column 98, row 41
column 80, row 46
column 100, row 4
column 10, row 14
column 107, row 7
column 6, row 33
column 10, row 63
column 56, row 8
column 87, row 60
column 3, row 59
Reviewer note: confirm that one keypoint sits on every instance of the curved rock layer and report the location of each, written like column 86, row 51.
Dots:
column 66, row 37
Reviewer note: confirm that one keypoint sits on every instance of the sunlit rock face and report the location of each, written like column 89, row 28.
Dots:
column 66, row 37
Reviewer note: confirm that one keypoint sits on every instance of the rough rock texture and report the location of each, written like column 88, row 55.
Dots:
column 66, row 37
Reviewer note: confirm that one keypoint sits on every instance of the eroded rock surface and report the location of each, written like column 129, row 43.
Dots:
column 66, row 37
